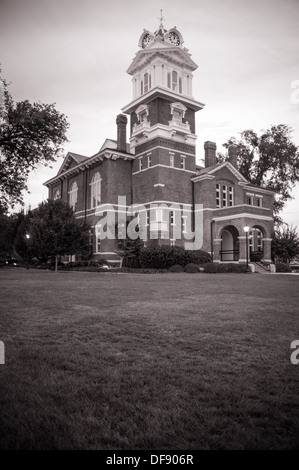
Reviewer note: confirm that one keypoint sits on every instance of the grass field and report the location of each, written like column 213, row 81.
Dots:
column 153, row 361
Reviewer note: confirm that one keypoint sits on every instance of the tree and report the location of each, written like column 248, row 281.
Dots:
column 128, row 249
column 54, row 231
column 285, row 244
column 30, row 134
column 270, row 160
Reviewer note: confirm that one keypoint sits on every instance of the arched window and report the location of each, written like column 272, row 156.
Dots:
column 57, row 194
column 73, row 195
column 96, row 190
column 255, row 240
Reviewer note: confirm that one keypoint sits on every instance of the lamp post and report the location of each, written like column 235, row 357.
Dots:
column 246, row 230
column 27, row 243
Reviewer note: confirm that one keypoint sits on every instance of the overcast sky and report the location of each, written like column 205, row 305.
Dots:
column 75, row 53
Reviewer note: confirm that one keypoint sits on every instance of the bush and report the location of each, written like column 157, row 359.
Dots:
column 225, row 268
column 191, row 268
column 283, row 268
column 176, row 268
column 163, row 257
column 256, row 256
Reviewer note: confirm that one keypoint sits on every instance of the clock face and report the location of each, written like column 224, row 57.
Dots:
column 174, row 38
column 146, row 40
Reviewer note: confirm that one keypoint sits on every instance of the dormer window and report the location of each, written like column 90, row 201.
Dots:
column 178, row 111
column 142, row 113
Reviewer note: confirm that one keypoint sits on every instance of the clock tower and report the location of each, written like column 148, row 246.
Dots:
column 162, row 114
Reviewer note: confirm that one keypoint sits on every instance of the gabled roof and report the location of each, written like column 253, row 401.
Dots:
column 160, row 50
column 69, row 159
column 211, row 170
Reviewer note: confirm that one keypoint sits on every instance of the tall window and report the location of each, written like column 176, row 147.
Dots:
column 57, row 194
column 224, row 195
column 140, row 163
column 98, row 229
column 217, row 195
column 230, row 196
column 174, row 82
column 183, row 163
column 96, row 190
column 259, row 201
column 171, row 160
column 172, row 218
column 149, row 161
column 73, row 195
column 146, row 83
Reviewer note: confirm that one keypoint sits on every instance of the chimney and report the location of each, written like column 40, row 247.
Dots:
column 121, row 122
column 210, row 153
column 232, row 155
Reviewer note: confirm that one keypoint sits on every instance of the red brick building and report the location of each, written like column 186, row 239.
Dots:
column 155, row 175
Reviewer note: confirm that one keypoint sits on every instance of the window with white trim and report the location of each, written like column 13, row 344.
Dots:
column 224, row 195
column 184, row 224
column 183, row 162
column 259, row 201
column 174, row 81
column 250, row 200
column 172, row 218
column 95, row 190
column 140, row 163
column 146, row 83
column 149, row 161
column 57, row 194
column 230, row 196
column 217, row 195
column 98, row 229
column 171, row 160
column 73, row 195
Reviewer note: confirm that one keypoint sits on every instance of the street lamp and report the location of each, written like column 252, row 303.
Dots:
column 27, row 243
column 246, row 230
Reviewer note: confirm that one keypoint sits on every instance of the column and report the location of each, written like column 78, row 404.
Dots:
column 216, row 249
column 267, row 249
column 242, row 249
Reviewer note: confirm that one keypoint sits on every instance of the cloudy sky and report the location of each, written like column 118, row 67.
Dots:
column 75, row 53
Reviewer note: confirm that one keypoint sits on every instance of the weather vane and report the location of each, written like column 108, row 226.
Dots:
column 161, row 20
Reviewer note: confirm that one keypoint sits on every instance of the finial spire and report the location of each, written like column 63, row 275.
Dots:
column 161, row 20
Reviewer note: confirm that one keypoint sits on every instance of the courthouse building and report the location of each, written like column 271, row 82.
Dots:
column 152, row 165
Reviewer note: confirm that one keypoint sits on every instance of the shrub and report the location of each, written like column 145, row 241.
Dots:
column 283, row 268
column 225, row 268
column 163, row 257
column 191, row 268
column 176, row 268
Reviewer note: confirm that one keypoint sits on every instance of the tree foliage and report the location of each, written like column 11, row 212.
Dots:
column 30, row 134
column 285, row 244
column 270, row 160
column 54, row 231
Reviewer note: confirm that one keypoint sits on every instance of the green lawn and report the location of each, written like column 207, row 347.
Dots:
column 152, row 361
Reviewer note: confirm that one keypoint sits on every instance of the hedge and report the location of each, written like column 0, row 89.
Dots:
column 283, row 268
column 225, row 268
column 163, row 257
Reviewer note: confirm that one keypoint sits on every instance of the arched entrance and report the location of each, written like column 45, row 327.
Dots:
column 229, row 244
column 255, row 242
